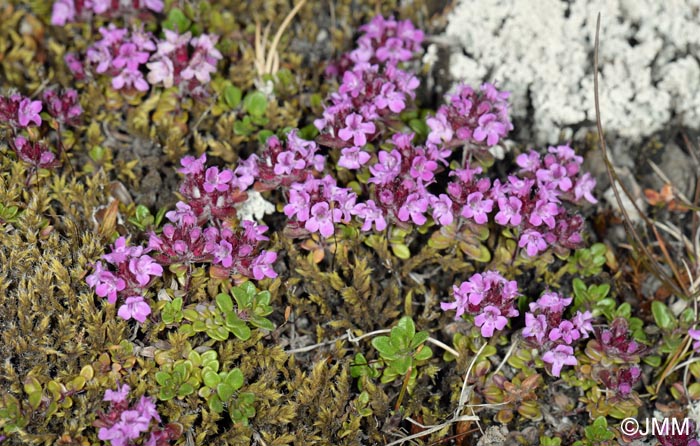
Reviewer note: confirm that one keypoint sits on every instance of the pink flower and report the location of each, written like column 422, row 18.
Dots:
column 29, row 111
column 287, row 163
column 217, row 181
column 489, row 320
column 544, row 212
column 136, row 308
column 117, row 396
column 528, row 162
column 414, row 208
column 105, row 283
column 584, row 188
column 261, row 266
column 121, row 252
column 393, row 51
column 390, row 98
column 74, row 65
column 143, row 268
column 130, row 57
column 161, row 71
column 128, row 78
column 192, row 165
column 533, row 242
column 509, row 211
column 352, row 83
column 477, row 207
column 253, row 231
column 562, row 355
column 322, row 218
column 489, row 129
column 695, row 335
column 535, row 326
column 154, row 5
column 298, row 205
column 582, row 322
column 356, row 129
column 565, row 331
column 422, row 168
column 221, row 252
column 183, row 216
column 440, row 129
column 387, row 167
column 555, row 176
column 353, row 158
column 442, row 209
column 370, row 213
column 63, row 11
column 551, row 302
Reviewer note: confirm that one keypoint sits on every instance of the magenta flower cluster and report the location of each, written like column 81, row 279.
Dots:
column 131, row 271
column 124, row 55
column 123, row 425
column 621, row 381
column 18, row 113
column 617, row 342
column 383, row 40
column 478, row 118
column 319, row 204
column 198, row 231
column 532, row 201
column 487, row 296
column 546, row 329
column 284, row 163
column 372, row 89
column 67, row 11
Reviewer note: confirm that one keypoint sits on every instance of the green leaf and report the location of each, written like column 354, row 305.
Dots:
column 239, row 329
column 225, row 391
column 163, row 378
column 235, row 379
column 184, row 390
column 211, row 378
column 652, row 360
column 308, row 132
column 262, row 322
column 232, row 96
column 263, row 298
column 419, row 338
column 159, row 216
column 579, row 288
column 142, row 212
column 177, row 21
column 384, row 347
column 243, row 127
column 166, row 393
column 244, row 294
column 401, row 365
column 224, row 302
column 663, row 316
column 191, row 314
column 423, row 354
column 215, row 404
column 419, row 126
column 406, row 323
column 263, row 135
column 255, row 103
column 35, row 399
column 401, row 251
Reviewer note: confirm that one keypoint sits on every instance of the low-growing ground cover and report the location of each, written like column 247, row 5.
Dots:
column 255, row 223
